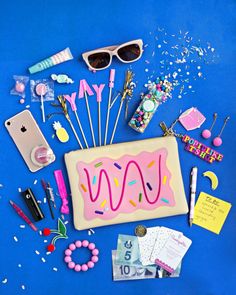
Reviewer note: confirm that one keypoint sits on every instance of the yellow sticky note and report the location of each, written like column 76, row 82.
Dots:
column 210, row 212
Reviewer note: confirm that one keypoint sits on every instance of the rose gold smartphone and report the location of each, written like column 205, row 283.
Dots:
column 30, row 141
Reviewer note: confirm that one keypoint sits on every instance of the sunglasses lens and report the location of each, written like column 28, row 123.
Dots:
column 129, row 52
column 99, row 60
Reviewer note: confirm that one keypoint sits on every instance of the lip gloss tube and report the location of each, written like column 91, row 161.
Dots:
column 51, row 61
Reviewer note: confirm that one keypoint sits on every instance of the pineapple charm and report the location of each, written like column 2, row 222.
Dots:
column 61, row 132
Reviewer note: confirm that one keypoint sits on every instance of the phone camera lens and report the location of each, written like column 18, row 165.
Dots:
column 8, row 123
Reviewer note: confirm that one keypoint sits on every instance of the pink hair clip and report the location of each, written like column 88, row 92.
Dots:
column 62, row 191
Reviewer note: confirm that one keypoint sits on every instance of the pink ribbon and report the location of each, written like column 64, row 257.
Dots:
column 83, row 86
column 64, row 207
column 71, row 100
column 98, row 90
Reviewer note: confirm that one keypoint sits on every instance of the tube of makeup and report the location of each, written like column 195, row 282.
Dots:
column 51, row 61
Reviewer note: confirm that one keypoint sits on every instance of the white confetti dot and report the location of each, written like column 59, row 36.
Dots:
column 37, row 252
column 55, row 269
column 43, row 260
column 179, row 70
column 146, row 70
column 44, row 200
column 4, row 281
column 45, row 241
column 66, row 222
column 19, row 265
column 36, row 180
column 19, row 190
column 23, row 287
column 180, row 96
column 190, row 86
column 15, row 238
column 48, row 253
column 159, row 45
column 22, row 226
column 27, row 107
column 187, row 73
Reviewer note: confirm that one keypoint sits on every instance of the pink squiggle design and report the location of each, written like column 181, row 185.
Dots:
column 123, row 184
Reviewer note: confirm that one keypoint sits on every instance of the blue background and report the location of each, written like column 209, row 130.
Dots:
column 33, row 30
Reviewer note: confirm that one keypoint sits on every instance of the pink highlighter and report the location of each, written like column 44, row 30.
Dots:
column 62, row 191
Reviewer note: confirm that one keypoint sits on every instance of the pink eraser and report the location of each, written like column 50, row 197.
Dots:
column 112, row 77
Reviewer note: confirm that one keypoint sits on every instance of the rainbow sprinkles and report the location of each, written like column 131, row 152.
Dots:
column 138, row 185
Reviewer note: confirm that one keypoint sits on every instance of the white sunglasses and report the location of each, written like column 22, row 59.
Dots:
column 101, row 58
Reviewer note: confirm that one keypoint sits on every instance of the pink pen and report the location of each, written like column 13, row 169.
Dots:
column 23, row 216
column 62, row 191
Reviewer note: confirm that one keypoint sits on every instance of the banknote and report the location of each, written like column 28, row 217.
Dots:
column 128, row 251
column 125, row 272
column 128, row 272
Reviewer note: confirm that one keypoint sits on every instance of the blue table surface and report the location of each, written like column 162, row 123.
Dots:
column 33, row 30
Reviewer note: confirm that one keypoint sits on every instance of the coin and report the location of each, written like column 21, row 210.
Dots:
column 140, row 230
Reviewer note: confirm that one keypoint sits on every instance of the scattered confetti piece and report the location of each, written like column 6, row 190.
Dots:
column 164, row 179
column 117, row 166
column 83, row 187
column 15, row 238
column 132, row 203
column 151, row 164
column 36, row 180
column 27, row 107
column 66, row 222
column 140, row 198
column 99, row 212
column 43, row 260
column 44, row 200
column 164, row 200
column 132, row 182
column 92, row 231
column 94, row 179
column 98, row 165
column 103, row 203
column 45, row 241
column 37, row 252
column 116, row 181
column 40, row 232
column 4, row 281
column 19, row 265
column 48, row 253
column 19, row 190
column 149, row 186
column 23, row 287
column 22, row 226
column 55, row 269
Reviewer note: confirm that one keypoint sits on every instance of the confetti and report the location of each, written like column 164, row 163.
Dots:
column 15, row 238
column 19, row 265
column 132, row 182
column 164, row 179
column 132, row 203
column 66, row 222
column 35, row 182
column 4, row 281
column 117, row 166
column 45, row 241
column 151, row 164
column 27, row 107
column 149, row 186
column 98, row 165
column 55, row 269
column 23, row 287
column 22, row 226
column 116, row 181
column 94, row 179
column 19, row 190
column 98, row 212
column 37, row 252
column 164, row 200
column 44, row 200
column 140, row 198
column 43, row 260
column 83, row 188
column 103, row 203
